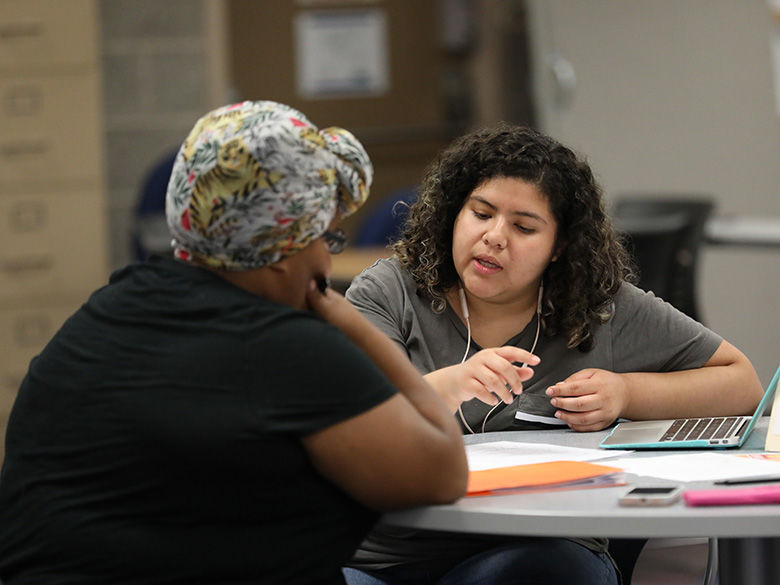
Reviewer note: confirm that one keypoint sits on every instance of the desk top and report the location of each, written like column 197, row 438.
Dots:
column 593, row 512
column 352, row 261
column 743, row 231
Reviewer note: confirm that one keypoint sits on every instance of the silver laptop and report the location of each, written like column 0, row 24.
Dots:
column 685, row 433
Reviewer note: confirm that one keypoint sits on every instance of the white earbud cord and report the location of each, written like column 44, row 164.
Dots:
column 465, row 310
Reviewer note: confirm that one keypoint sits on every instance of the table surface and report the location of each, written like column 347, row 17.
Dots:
column 594, row 511
column 352, row 261
column 743, row 231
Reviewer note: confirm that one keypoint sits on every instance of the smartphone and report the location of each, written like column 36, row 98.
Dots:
column 322, row 284
column 651, row 496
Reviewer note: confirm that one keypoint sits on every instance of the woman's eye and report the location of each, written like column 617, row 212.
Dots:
column 479, row 215
column 525, row 230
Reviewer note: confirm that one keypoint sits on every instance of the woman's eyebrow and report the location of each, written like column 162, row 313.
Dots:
column 528, row 214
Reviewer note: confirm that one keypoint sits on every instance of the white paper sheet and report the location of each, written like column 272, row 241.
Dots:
column 508, row 453
column 697, row 466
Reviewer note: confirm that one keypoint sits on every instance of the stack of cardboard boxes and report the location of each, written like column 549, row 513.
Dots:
column 53, row 250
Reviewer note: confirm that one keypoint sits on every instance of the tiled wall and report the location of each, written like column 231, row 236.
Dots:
column 155, row 78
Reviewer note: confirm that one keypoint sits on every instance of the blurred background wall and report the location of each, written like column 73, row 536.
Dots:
column 662, row 96
column 668, row 97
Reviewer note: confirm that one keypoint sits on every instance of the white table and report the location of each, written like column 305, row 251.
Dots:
column 748, row 536
column 743, row 231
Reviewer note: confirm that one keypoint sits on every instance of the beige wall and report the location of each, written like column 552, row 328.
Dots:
column 671, row 95
column 52, row 204
column 677, row 96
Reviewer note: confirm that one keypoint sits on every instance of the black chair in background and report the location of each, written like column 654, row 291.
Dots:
column 665, row 234
column 150, row 233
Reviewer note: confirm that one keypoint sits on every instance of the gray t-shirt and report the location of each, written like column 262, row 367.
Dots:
column 645, row 334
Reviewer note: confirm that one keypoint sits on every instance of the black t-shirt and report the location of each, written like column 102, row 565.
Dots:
column 156, row 440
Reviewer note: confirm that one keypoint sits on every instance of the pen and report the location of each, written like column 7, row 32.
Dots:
column 741, row 480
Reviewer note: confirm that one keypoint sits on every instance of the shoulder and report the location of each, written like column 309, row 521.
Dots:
column 385, row 278
column 632, row 298
column 628, row 295
column 649, row 334
column 645, row 314
column 632, row 305
column 384, row 270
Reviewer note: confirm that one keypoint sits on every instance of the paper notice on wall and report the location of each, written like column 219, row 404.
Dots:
column 341, row 53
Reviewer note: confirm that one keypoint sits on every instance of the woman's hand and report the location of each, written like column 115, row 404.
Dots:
column 489, row 375
column 332, row 306
column 589, row 400
column 422, row 459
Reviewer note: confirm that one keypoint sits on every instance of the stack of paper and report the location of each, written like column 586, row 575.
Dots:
column 550, row 475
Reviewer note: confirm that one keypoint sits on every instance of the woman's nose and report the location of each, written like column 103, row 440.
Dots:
column 495, row 236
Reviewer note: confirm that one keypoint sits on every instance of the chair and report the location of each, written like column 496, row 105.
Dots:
column 664, row 235
column 383, row 222
column 150, row 230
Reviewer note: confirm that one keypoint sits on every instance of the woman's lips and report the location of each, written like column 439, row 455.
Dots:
column 486, row 265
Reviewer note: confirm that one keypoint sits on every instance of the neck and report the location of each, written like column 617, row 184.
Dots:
column 263, row 282
column 492, row 324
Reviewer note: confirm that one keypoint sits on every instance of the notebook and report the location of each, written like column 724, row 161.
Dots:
column 689, row 433
column 547, row 475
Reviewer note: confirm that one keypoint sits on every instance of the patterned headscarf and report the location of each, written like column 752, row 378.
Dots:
column 255, row 182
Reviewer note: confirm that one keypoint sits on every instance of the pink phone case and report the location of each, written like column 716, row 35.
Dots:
column 765, row 494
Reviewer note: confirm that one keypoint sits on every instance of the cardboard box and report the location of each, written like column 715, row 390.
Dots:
column 51, row 244
column 47, row 35
column 51, row 130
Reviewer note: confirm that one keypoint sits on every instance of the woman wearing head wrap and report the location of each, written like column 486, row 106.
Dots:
column 222, row 416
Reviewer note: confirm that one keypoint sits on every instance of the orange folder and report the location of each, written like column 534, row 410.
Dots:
column 540, row 476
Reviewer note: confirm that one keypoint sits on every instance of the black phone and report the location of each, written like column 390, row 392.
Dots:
column 322, row 284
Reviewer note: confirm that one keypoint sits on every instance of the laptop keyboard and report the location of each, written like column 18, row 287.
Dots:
column 690, row 429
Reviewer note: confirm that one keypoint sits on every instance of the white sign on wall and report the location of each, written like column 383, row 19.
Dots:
column 341, row 53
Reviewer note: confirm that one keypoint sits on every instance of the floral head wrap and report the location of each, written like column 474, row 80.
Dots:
column 255, row 182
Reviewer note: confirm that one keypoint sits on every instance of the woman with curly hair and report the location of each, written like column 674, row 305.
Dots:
column 511, row 292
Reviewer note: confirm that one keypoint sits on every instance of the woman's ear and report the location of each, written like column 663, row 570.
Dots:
column 559, row 248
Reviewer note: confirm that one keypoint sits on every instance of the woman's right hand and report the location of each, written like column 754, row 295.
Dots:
column 489, row 375
column 332, row 306
column 422, row 461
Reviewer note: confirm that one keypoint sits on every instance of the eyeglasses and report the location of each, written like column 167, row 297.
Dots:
column 336, row 240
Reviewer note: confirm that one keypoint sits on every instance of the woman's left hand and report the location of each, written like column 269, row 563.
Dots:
column 589, row 400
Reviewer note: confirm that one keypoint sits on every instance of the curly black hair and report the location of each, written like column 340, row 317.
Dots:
column 580, row 286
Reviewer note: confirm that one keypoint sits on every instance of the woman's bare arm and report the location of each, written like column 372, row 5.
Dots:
column 591, row 399
column 406, row 451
